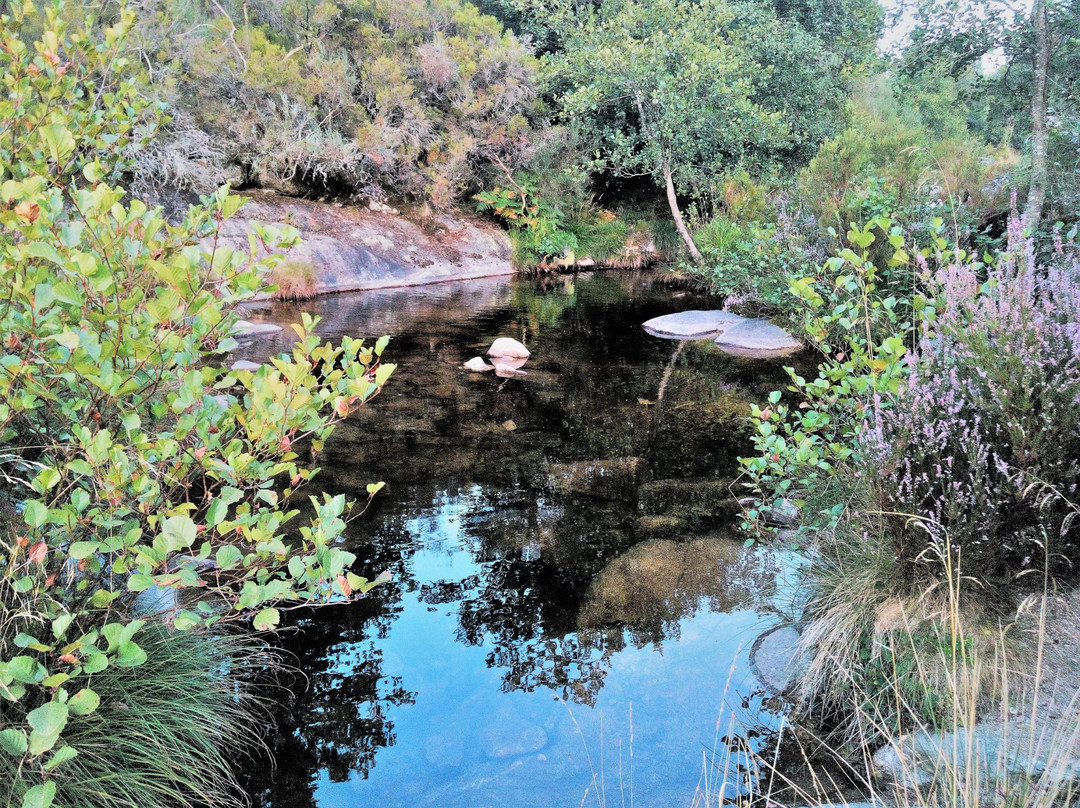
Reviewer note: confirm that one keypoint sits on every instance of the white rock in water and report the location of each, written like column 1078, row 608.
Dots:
column 243, row 364
column 507, row 347
column 692, row 324
column 477, row 365
column 509, row 362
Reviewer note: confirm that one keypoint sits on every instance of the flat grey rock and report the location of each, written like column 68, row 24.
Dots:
column 757, row 339
column 246, row 328
column 784, row 513
column 692, row 324
column 243, row 364
column 775, row 658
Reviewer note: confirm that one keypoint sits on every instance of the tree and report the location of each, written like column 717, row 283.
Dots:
column 682, row 91
column 1040, row 68
column 660, row 90
column 1032, row 97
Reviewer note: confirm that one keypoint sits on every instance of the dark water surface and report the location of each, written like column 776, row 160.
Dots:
column 569, row 615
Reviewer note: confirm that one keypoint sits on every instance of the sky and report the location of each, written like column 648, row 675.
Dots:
column 892, row 39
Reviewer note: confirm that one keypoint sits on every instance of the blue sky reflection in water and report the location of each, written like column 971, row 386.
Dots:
column 526, row 620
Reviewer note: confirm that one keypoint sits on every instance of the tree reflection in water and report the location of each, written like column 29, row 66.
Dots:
column 542, row 585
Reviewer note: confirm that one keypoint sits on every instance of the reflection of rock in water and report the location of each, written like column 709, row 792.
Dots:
column 656, row 583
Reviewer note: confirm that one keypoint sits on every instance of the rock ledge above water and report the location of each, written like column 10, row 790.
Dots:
column 757, row 339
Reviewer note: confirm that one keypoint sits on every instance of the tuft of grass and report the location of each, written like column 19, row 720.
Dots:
column 934, row 706
column 295, row 280
column 166, row 730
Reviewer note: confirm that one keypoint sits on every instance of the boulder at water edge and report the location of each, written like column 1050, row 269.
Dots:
column 508, row 348
column 776, row 659
column 687, row 325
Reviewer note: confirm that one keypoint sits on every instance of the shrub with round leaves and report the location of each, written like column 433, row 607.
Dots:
column 131, row 458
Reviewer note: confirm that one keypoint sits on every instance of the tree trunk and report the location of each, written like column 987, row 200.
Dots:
column 1037, row 190
column 676, row 214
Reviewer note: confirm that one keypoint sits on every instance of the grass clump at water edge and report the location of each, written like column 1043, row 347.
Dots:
column 165, row 730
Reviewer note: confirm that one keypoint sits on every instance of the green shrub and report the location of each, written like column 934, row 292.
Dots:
column 131, row 458
column 544, row 229
column 909, row 158
column 935, row 463
column 418, row 99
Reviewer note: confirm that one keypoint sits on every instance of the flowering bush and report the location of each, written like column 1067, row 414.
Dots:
column 988, row 417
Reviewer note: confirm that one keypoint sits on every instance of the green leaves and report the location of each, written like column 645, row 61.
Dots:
column 34, row 513
column 266, row 619
column 59, row 142
column 24, row 669
column 46, row 724
column 40, row 796
column 134, row 460
column 13, row 742
column 84, row 702
column 177, row 533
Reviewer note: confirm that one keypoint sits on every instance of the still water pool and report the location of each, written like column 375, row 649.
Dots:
column 569, row 615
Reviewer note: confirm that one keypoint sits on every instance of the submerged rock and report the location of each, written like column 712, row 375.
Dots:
column 604, row 479
column 659, row 527
column 508, row 348
column 687, row 325
column 757, row 339
column 657, row 582
column 693, row 501
column 510, row 735
column 776, row 658
column 246, row 328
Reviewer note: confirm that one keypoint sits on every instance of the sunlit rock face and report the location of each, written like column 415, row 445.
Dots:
column 354, row 248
